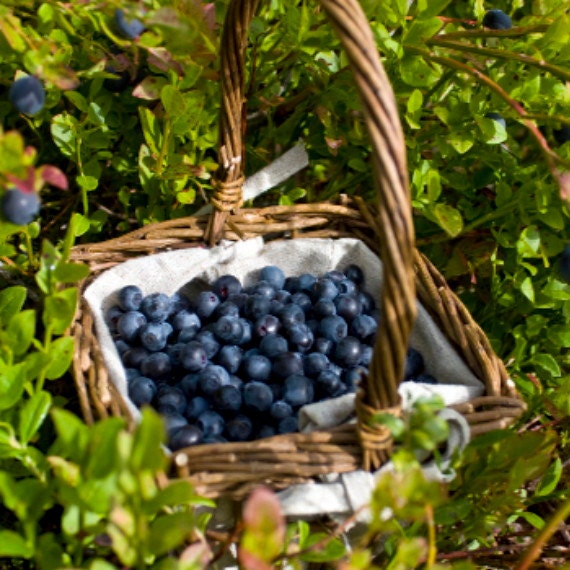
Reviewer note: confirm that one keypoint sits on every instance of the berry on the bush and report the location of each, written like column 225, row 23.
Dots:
column 20, row 207
column 130, row 28
column 497, row 20
column 28, row 95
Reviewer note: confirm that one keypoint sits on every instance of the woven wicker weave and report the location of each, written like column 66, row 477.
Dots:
column 233, row 469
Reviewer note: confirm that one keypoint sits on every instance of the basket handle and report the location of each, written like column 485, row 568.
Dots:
column 398, row 297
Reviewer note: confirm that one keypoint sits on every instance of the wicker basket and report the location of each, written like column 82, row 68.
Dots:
column 233, row 469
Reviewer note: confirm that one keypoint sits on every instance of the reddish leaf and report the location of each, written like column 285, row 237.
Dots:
column 54, row 176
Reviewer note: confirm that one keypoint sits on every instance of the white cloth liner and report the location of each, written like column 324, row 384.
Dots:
column 190, row 270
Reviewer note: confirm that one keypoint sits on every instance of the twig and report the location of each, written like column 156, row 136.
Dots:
column 551, row 527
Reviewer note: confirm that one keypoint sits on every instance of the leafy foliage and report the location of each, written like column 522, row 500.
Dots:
column 127, row 135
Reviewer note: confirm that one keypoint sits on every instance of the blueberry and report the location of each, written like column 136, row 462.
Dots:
column 187, row 334
column 302, row 300
column 236, row 381
column 283, row 296
column 196, row 406
column 156, row 365
column 130, row 28
column 414, row 364
column 497, row 20
column 347, row 287
column 228, row 398
column 122, row 346
column 130, row 325
column 256, row 367
column 348, row 306
column 564, row 264
column 355, row 274
column 173, row 421
column 173, row 396
column 185, row 436
column 280, row 409
column 229, row 329
column 130, row 298
column 153, row 336
column 288, row 425
column 363, row 327
column 333, row 328
column 178, row 302
column 238, row 299
column 268, row 324
column 301, row 337
column 210, row 423
column 324, row 308
column 298, row 390
column 156, row 307
column 326, row 289
column 348, row 351
column 324, row 345
column 132, row 373
column 257, row 396
column 256, row 307
column 239, row 428
column 273, row 344
column 211, row 378
column 226, row 285
column 315, row 363
column 287, row 363
column 230, row 357
column 142, row 391
column 206, row 304
column 291, row 284
column 328, row 383
column 133, row 357
column 194, row 356
column 291, row 315
column 20, row 207
column 112, row 317
column 264, row 289
column 353, row 377
column 226, row 309
column 366, row 356
column 28, row 95
column 335, row 276
column 175, row 352
column 497, row 117
column 185, row 319
column 367, row 302
column 306, row 282
column 209, row 342
column 247, row 331
column 273, row 275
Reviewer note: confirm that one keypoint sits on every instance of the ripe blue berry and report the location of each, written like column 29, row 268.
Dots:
column 156, row 307
column 209, row 342
column 291, row 315
column 226, row 285
column 273, row 344
column 268, row 324
column 229, row 329
column 130, row 325
column 315, row 363
column 156, row 365
column 173, row 421
column 325, row 289
column 194, row 356
column 363, row 327
column 298, row 390
column 239, row 428
column 355, row 274
column 301, row 337
column 133, row 357
column 130, row 298
column 348, row 351
column 153, row 336
column 497, row 20
column 185, row 436
column 333, row 328
column 230, row 357
column 265, row 289
column 348, row 306
column 328, row 383
column 20, row 207
column 184, row 319
column 142, row 391
column 280, row 409
column 324, row 308
column 288, row 425
column 28, row 95
column 257, row 396
column 347, row 287
column 564, row 264
column 228, row 398
column 211, row 423
column 273, row 275
column 212, row 378
column 256, row 367
column 196, row 407
column 287, row 363
column 172, row 396
column 206, row 303
column 130, row 28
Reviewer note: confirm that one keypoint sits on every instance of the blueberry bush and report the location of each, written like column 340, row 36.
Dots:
column 108, row 117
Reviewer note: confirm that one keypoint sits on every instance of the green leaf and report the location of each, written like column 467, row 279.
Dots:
column 547, row 362
column 71, row 272
column 14, row 545
column 88, row 183
column 73, row 435
column 11, row 302
column 550, row 479
column 461, row 141
column 33, row 414
column 173, row 101
column 77, row 100
column 429, row 8
column 416, row 72
column 178, row 492
column 151, row 130
column 168, row 532
column 421, row 30
column 330, row 550
column 148, row 438
column 449, row 219
column 9, row 447
column 12, row 379
column 533, row 519
column 61, row 354
column 414, row 108
column 103, row 448
column 21, row 330
column 59, row 310
column 527, row 289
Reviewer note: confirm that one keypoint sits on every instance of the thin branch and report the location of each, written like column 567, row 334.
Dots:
column 486, row 33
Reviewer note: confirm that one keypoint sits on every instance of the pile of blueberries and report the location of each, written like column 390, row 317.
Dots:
column 236, row 363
